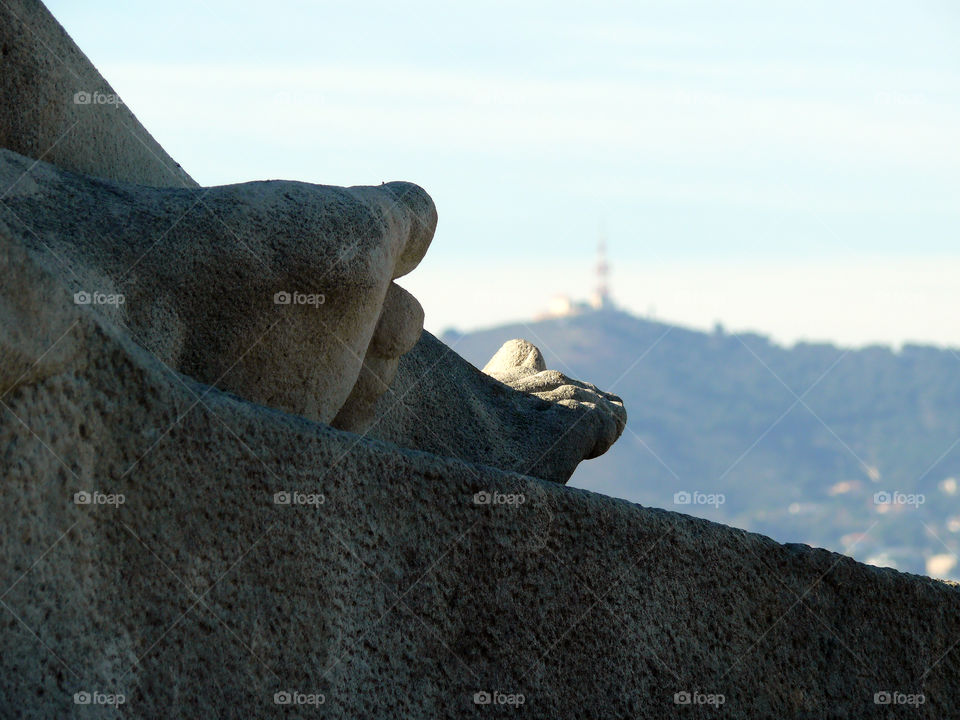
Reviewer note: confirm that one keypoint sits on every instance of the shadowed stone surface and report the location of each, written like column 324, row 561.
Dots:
column 273, row 289
column 256, row 552
column 520, row 364
column 504, row 425
column 198, row 269
column 398, row 595
column 397, row 331
column 57, row 107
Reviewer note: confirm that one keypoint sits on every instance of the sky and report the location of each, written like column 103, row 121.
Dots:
column 790, row 168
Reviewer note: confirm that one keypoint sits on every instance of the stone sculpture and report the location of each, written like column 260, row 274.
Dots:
column 271, row 290
column 520, row 417
column 162, row 561
column 281, row 292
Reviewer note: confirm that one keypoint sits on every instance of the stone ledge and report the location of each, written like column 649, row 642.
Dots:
column 399, row 595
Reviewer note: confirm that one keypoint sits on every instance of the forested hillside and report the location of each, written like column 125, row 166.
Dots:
column 801, row 442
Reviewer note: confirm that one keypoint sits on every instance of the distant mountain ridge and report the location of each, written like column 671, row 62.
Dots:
column 801, row 442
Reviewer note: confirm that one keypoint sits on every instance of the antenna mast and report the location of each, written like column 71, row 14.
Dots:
column 602, row 297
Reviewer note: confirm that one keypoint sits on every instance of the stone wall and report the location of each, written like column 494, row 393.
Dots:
column 388, row 585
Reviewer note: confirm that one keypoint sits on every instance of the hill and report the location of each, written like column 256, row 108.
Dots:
column 804, row 443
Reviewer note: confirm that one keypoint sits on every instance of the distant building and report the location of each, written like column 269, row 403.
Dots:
column 565, row 306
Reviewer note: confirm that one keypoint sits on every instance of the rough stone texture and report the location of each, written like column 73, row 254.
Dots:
column 492, row 423
column 200, row 272
column 418, row 581
column 515, row 358
column 41, row 72
column 400, row 595
column 197, row 268
column 520, row 364
column 397, row 331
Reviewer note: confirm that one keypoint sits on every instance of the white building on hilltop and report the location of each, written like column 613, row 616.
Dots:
column 565, row 306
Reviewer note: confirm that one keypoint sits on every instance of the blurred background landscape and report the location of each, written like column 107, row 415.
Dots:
column 777, row 185
column 857, row 451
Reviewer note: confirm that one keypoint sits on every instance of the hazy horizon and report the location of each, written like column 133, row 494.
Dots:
column 699, row 297
column 787, row 170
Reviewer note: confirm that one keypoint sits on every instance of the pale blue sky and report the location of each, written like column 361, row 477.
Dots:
column 787, row 167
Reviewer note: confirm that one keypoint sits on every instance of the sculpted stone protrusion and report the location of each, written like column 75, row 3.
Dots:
column 271, row 290
column 397, row 331
column 522, row 418
column 280, row 292
column 520, row 365
column 517, row 358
